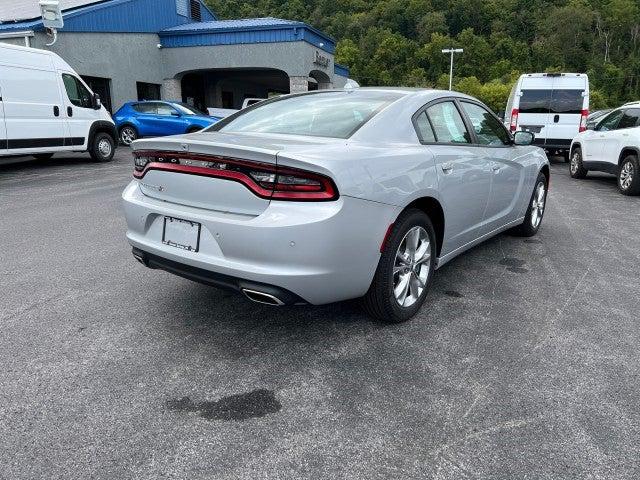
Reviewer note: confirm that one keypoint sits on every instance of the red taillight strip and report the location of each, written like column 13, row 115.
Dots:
column 280, row 191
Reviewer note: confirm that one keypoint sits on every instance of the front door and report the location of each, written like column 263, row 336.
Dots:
column 78, row 110
column 464, row 176
column 507, row 174
column 605, row 130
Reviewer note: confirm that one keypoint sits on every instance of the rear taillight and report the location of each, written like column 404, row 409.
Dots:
column 263, row 179
column 584, row 114
column 513, row 126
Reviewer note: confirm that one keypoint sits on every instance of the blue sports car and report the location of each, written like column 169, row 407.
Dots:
column 157, row 119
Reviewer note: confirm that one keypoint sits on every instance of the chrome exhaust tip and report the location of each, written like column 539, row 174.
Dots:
column 261, row 297
column 139, row 257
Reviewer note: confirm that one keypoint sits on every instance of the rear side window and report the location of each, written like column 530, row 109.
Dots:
column 166, row 110
column 566, row 101
column 630, row 118
column 447, row 123
column 425, row 132
column 535, row 101
column 77, row 92
column 489, row 130
column 145, row 108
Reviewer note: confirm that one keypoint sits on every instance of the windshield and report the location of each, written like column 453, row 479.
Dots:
column 187, row 109
column 327, row 114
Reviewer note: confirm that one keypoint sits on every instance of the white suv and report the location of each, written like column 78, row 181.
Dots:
column 613, row 146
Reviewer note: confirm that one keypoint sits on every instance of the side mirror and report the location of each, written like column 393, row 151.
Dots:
column 523, row 138
column 97, row 103
column 591, row 125
column 175, row 114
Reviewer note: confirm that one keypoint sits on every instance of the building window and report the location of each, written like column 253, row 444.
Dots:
column 182, row 8
column 101, row 86
column 196, row 14
column 148, row 91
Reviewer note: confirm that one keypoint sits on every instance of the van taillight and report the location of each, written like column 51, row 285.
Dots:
column 584, row 114
column 263, row 179
column 514, row 120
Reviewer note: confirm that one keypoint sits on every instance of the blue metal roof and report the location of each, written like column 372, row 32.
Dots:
column 250, row 30
column 131, row 16
column 341, row 70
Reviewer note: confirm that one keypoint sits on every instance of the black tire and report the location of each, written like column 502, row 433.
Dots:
column 528, row 228
column 576, row 167
column 629, row 176
column 128, row 134
column 380, row 301
column 102, row 147
column 43, row 156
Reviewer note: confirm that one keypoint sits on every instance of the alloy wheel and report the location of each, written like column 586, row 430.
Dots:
column 411, row 267
column 575, row 159
column 626, row 175
column 127, row 135
column 537, row 205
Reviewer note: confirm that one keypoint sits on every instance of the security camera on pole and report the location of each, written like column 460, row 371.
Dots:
column 51, row 18
column 452, row 51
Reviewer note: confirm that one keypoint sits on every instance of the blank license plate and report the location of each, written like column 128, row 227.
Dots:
column 181, row 234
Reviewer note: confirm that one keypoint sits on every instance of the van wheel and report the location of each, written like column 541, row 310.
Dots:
column 576, row 168
column 405, row 269
column 43, row 156
column 629, row 176
column 532, row 220
column 102, row 147
column 128, row 134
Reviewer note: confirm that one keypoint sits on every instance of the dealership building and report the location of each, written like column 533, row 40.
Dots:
column 178, row 50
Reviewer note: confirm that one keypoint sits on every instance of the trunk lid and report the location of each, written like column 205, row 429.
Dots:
column 227, row 194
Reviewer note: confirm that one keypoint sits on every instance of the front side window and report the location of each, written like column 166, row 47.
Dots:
column 610, row 122
column 630, row 118
column 447, row 123
column 488, row 128
column 535, row 101
column 165, row 110
column 326, row 114
column 77, row 92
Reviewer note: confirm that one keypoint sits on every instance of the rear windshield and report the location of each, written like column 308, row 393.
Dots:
column 551, row 101
column 326, row 114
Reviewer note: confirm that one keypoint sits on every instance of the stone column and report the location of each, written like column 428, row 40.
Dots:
column 171, row 89
column 298, row 84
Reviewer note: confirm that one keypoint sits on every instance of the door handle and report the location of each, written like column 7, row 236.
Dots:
column 70, row 111
column 556, row 118
column 56, row 111
column 447, row 167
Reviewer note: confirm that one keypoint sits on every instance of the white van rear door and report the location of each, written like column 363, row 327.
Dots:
column 533, row 112
column 32, row 109
column 566, row 108
column 3, row 129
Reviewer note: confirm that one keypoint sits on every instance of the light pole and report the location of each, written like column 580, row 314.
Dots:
column 452, row 51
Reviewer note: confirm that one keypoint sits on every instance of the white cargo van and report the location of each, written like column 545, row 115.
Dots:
column 45, row 108
column 553, row 106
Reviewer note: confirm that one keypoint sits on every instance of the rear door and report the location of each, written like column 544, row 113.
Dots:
column 32, row 104
column 3, row 129
column 534, row 108
column 566, row 107
column 603, row 135
column 464, row 177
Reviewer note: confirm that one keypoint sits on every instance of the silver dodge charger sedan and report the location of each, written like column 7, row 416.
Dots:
column 332, row 195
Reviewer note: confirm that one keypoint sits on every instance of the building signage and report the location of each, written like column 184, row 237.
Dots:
column 321, row 60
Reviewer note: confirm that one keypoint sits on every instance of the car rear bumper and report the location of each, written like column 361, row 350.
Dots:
column 315, row 252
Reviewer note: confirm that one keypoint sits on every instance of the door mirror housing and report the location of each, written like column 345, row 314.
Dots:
column 97, row 103
column 175, row 114
column 523, row 138
column 590, row 126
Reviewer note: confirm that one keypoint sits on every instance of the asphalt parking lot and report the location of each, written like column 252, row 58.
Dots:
column 524, row 362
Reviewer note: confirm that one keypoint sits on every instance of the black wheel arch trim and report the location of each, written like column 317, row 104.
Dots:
column 626, row 149
column 102, row 126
